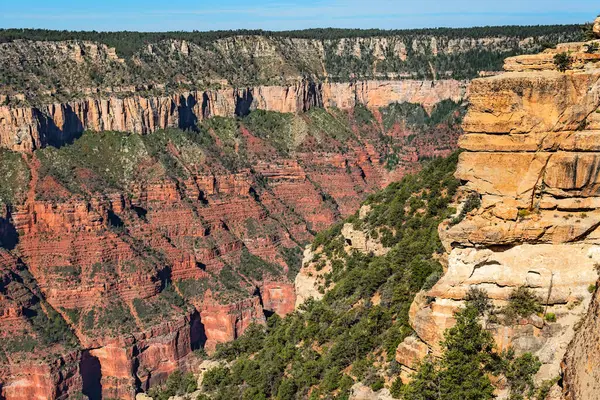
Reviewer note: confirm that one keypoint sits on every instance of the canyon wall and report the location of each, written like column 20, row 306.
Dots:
column 148, row 249
column 45, row 68
column 531, row 155
column 29, row 128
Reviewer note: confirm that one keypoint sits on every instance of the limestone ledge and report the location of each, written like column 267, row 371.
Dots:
column 29, row 128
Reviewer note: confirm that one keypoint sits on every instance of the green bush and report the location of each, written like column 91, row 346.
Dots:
column 478, row 298
column 467, row 359
column 397, row 388
column 473, row 202
column 177, row 384
column 550, row 317
column 563, row 61
column 522, row 303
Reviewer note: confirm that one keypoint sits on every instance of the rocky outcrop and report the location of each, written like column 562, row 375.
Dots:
column 530, row 155
column 310, row 278
column 225, row 322
column 362, row 392
column 596, row 27
column 581, row 364
column 28, row 128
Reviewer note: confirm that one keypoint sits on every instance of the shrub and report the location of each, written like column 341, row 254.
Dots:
column 523, row 303
column 177, row 384
column 396, row 388
column 592, row 288
column 473, row 202
column 592, row 47
column 478, row 298
column 563, row 61
column 524, row 213
column 377, row 385
column 215, row 377
column 519, row 372
column 550, row 317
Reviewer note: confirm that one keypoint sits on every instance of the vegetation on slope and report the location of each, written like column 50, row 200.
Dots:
column 100, row 164
column 322, row 350
column 14, row 178
column 352, row 334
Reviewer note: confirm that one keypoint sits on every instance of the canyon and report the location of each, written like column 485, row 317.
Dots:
column 147, row 218
column 143, row 250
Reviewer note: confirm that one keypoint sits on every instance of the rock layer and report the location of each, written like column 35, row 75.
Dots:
column 29, row 128
column 531, row 156
column 149, row 247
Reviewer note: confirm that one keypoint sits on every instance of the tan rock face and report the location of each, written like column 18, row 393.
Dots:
column 29, row 128
column 358, row 240
column 531, row 153
column 596, row 27
column 310, row 278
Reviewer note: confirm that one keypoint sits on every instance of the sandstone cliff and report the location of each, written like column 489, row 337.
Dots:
column 30, row 128
column 531, row 158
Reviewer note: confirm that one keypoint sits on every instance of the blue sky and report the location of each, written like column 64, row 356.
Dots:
column 164, row 15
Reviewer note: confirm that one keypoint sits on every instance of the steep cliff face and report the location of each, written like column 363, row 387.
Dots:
column 531, row 158
column 30, row 128
column 37, row 361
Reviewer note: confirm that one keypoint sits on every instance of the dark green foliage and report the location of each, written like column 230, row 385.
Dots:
column 363, row 115
column 592, row 48
column 519, row 372
column 255, row 267
column 293, row 259
column 397, row 388
column 478, row 299
column 230, row 279
column 287, row 390
column 247, row 344
column 272, row 126
column 473, row 202
column 563, row 61
column 587, row 32
column 51, row 327
column 522, row 303
column 467, row 358
column 215, row 377
column 177, row 384
column 155, row 309
column 467, row 347
column 14, row 177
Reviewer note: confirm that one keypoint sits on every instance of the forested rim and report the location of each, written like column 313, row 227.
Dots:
column 128, row 43
column 322, row 350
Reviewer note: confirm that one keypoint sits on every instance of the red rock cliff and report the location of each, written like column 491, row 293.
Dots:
column 152, row 246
